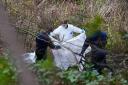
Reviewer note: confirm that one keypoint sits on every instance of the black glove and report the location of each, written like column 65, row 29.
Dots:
column 57, row 47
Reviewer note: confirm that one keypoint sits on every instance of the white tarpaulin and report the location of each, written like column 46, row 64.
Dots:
column 65, row 34
column 66, row 57
column 29, row 58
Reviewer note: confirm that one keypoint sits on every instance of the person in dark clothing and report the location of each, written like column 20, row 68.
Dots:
column 42, row 43
column 98, row 53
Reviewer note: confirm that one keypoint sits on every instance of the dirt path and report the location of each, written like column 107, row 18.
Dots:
column 8, row 34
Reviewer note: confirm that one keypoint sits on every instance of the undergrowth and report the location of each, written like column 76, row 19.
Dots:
column 72, row 76
column 7, row 72
column 112, row 16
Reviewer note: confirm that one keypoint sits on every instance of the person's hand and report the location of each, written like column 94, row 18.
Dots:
column 57, row 47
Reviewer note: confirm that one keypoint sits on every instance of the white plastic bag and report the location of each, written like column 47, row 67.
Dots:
column 29, row 58
column 66, row 56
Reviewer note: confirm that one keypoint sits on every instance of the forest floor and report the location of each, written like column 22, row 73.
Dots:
column 9, row 37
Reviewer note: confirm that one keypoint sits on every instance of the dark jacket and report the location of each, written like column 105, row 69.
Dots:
column 99, row 39
column 43, row 41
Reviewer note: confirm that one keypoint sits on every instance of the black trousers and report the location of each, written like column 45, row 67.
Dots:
column 99, row 60
column 40, row 54
column 99, row 66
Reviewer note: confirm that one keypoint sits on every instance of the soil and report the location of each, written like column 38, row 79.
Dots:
column 16, row 49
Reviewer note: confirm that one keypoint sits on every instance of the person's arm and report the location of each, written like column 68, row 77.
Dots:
column 53, row 39
column 86, row 44
column 48, row 41
column 76, row 29
column 51, row 44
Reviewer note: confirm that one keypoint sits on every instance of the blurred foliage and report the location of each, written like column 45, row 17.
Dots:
column 7, row 72
column 51, row 75
column 25, row 16
column 94, row 25
column 74, row 77
column 48, row 64
column 116, row 43
column 46, row 70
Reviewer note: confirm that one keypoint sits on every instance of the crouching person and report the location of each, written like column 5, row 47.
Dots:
column 97, row 42
column 42, row 43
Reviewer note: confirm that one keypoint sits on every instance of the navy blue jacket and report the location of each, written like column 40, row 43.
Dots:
column 99, row 39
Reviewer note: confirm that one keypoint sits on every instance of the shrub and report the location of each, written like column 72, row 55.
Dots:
column 7, row 72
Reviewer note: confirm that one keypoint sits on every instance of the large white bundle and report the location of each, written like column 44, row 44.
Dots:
column 65, row 34
column 66, row 57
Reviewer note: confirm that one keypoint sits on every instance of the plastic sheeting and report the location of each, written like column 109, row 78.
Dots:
column 66, row 56
column 65, row 34
column 29, row 58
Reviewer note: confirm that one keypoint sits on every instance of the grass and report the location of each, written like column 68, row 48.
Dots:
column 7, row 72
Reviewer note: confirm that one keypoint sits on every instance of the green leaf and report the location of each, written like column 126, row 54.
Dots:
column 6, row 71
